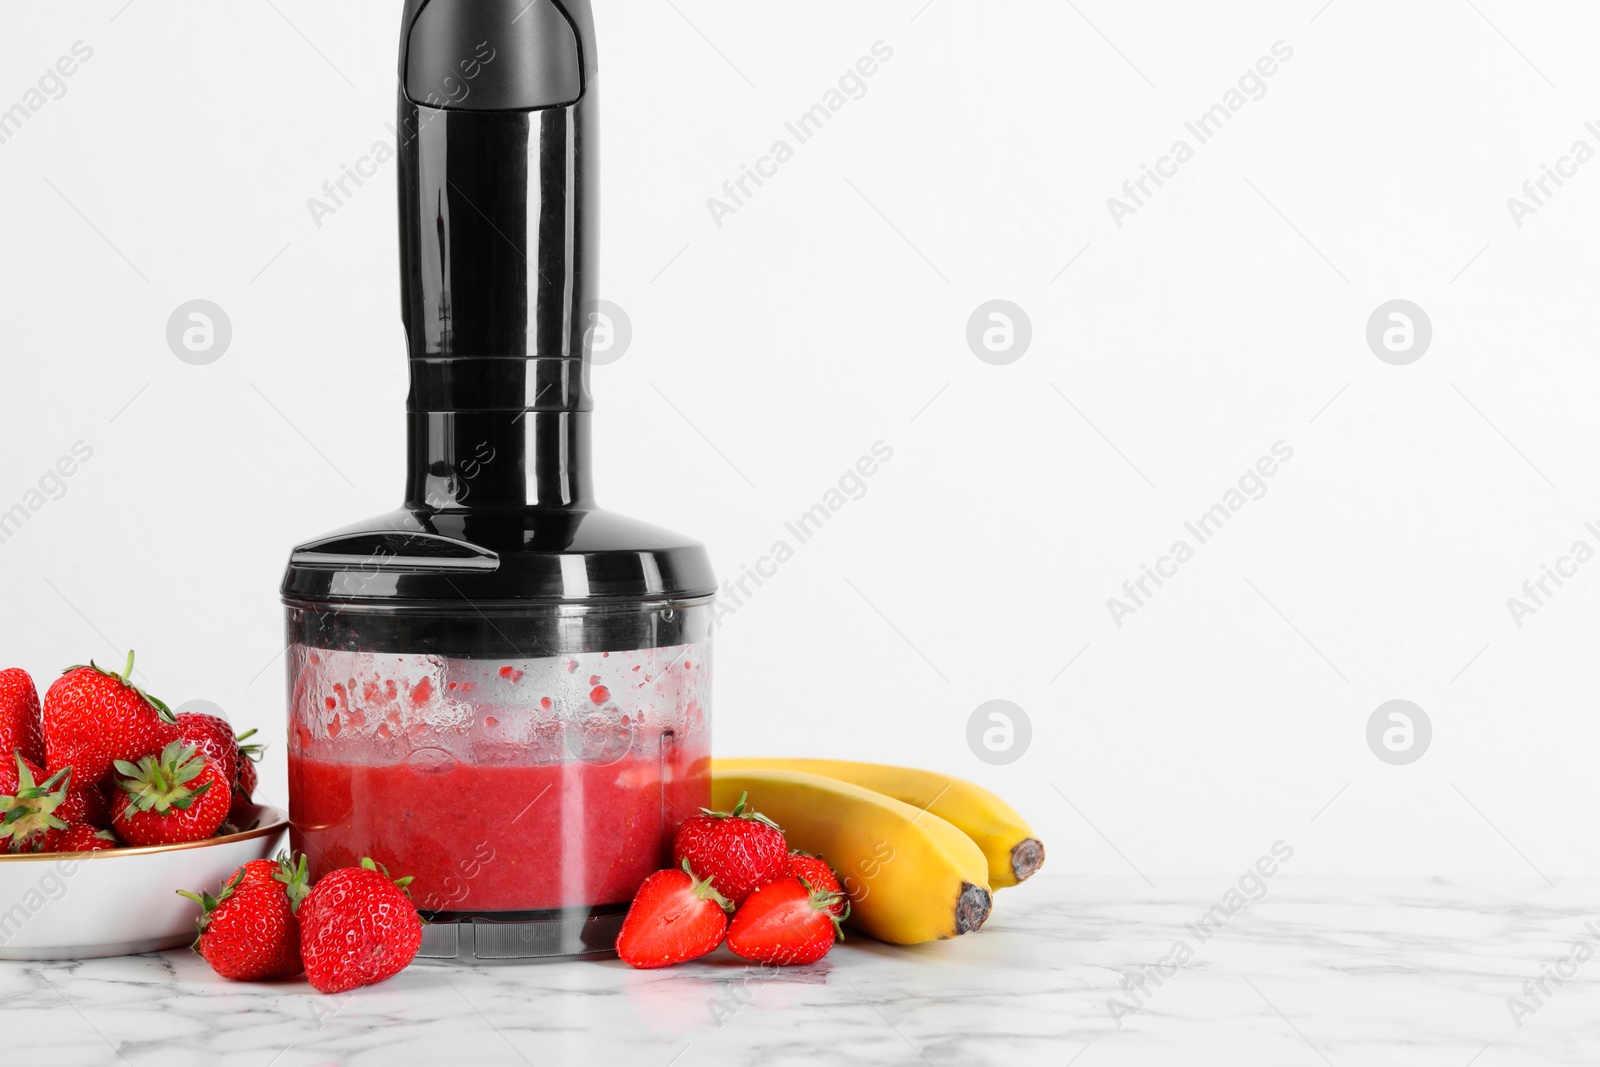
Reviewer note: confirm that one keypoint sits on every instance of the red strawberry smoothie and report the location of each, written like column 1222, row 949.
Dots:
column 499, row 787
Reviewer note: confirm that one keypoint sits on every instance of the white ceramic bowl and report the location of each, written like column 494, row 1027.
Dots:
column 120, row 901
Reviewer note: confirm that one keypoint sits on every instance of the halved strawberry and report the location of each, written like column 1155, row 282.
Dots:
column 786, row 922
column 674, row 917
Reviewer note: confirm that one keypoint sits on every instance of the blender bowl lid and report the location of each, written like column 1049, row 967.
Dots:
column 422, row 557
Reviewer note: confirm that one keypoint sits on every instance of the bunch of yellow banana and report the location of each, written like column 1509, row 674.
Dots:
column 918, row 852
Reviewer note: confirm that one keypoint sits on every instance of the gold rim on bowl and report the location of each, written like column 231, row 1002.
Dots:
column 276, row 822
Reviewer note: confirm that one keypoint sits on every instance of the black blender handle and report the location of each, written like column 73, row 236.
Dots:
column 497, row 55
column 498, row 151
column 498, row 242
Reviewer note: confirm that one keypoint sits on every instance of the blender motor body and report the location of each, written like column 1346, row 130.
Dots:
column 499, row 689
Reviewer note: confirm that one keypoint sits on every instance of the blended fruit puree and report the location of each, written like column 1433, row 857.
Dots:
column 499, row 838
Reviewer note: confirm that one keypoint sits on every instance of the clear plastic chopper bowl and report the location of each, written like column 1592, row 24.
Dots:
column 528, row 795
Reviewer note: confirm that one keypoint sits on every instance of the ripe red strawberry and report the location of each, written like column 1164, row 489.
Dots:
column 249, row 931
column 81, row 837
column 358, row 928
column 87, row 804
column 92, row 718
column 674, row 917
column 248, row 779
column 739, row 850
column 29, row 803
column 20, row 728
column 213, row 736
column 258, row 871
column 815, row 872
column 170, row 799
column 281, row 870
column 249, row 752
column 12, row 769
column 245, row 787
column 785, row 922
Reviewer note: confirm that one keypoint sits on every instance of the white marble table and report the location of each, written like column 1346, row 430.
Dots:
column 1316, row 972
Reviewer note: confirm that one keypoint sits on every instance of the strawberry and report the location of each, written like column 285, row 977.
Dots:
column 279, row 871
column 213, row 737
column 86, row 804
column 357, row 928
column 674, row 917
column 169, row 799
column 92, row 718
column 249, row 931
column 786, row 922
column 262, row 870
column 815, row 872
column 248, row 780
column 81, row 837
column 20, row 728
column 244, row 787
column 250, row 753
column 739, row 849
column 13, row 769
column 29, row 803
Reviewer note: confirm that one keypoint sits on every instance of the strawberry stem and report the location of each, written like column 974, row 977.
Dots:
column 251, row 752
column 209, row 904
column 296, row 882
column 31, row 813
column 826, row 900
column 740, row 811
column 702, row 888
column 161, row 783
column 402, row 884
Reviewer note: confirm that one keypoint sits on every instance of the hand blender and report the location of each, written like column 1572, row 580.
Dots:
column 499, row 689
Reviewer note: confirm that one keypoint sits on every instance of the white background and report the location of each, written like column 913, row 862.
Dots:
column 829, row 314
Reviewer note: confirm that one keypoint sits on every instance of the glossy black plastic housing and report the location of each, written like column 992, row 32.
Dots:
column 470, row 561
column 497, row 55
column 498, row 240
